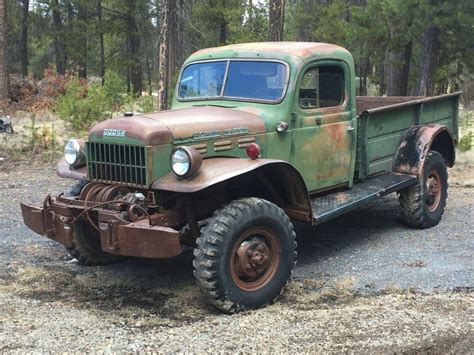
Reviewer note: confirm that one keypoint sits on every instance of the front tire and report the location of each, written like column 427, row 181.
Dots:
column 86, row 246
column 422, row 205
column 245, row 255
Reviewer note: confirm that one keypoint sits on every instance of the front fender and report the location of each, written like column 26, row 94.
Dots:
column 212, row 172
column 283, row 176
column 65, row 171
column 418, row 141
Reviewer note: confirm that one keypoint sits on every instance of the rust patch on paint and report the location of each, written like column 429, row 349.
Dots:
column 166, row 126
column 64, row 170
column 299, row 49
column 418, row 141
column 338, row 134
column 342, row 197
column 150, row 132
column 186, row 123
column 201, row 148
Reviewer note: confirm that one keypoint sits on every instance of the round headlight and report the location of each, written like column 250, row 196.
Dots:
column 185, row 161
column 72, row 153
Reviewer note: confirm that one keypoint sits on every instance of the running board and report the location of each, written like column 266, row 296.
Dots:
column 337, row 203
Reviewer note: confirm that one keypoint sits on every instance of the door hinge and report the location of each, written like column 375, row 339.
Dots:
column 293, row 120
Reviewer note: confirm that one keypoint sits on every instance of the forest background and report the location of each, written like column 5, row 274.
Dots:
column 83, row 60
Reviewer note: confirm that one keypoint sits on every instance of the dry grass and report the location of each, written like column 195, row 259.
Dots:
column 123, row 298
column 462, row 174
column 171, row 315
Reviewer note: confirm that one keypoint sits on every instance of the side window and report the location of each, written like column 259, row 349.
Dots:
column 321, row 87
column 309, row 88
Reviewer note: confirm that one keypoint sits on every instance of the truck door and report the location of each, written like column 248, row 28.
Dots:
column 324, row 127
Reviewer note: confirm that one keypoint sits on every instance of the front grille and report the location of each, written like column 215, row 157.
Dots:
column 117, row 163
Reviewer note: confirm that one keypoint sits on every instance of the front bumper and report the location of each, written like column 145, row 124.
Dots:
column 55, row 220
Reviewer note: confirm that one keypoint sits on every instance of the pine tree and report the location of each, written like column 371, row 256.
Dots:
column 4, row 84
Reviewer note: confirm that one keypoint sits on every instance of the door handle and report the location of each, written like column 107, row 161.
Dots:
column 350, row 128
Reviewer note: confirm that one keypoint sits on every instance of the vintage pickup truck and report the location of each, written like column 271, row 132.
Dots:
column 259, row 136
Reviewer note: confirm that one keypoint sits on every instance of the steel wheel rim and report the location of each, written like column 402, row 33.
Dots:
column 433, row 190
column 254, row 259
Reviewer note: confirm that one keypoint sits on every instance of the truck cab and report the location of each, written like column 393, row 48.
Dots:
column 308, row 88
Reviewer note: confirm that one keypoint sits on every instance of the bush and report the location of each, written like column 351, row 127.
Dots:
column 114, row 88
column 465, row 143
column 82, row 104
column 53, row 85
column 143, row 104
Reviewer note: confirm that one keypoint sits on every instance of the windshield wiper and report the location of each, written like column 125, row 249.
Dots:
column 216, row 105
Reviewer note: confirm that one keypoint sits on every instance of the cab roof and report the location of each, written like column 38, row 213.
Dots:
column 274, row 50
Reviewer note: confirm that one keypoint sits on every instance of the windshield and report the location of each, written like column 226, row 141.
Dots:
column 234, row 79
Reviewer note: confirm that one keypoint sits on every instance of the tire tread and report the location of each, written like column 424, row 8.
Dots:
column 411, row 199
column 210, row 248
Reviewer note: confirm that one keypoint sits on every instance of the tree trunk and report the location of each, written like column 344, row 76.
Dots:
column 24, row 38
column 276, row 20
column 129, row 87
column 166, row 6
column 82, row 41
column 173, row 41
column 382, row 79
column 364, row 71
column 59, row 51
column 134, row 48
column 429, row 60
column 222, row 31
column 251, row 15
column 101, row 42
column 4, row 85
column 406, row 67
column 148, row 75
column 398, row 71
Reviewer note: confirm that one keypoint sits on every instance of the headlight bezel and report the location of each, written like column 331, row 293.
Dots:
column 194, row 159
column 75, row 147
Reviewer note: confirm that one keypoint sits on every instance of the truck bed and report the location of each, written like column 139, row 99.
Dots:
column 366, row 103
column 383, row 122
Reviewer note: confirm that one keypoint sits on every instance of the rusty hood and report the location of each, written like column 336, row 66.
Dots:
column 167, row 126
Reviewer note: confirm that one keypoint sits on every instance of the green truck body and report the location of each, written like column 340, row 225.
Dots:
column 257, row 134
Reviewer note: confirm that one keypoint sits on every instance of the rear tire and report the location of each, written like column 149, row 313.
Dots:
column 245, row 255
column 422, row 205
column 86, row 248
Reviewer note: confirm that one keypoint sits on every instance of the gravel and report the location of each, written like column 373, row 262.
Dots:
column 364, row 283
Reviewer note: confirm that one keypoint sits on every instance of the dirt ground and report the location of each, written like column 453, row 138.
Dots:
column 364, row 283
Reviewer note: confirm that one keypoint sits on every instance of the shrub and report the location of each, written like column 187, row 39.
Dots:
column 114, row 88
column 143, row 104
column 82, row 104
column 53, row 85
column 465, row 143
column 31, row 136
